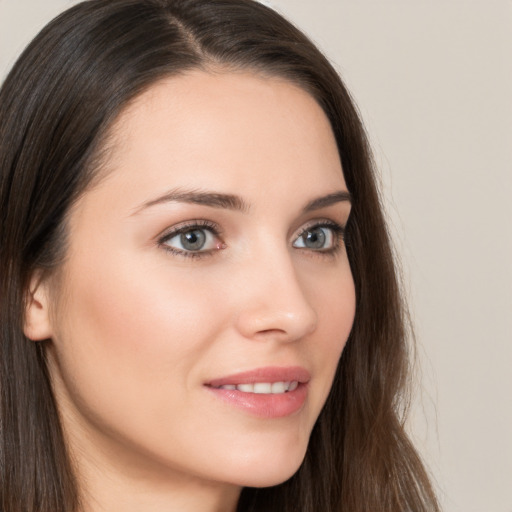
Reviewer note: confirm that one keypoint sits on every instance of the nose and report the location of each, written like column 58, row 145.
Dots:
column 274, row 304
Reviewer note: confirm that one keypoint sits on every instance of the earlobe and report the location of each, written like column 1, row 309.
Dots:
column 37, row 325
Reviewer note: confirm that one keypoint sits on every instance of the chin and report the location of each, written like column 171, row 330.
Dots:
column 272, row 470
column 271, row 480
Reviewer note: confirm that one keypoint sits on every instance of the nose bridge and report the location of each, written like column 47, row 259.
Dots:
column 275, row 303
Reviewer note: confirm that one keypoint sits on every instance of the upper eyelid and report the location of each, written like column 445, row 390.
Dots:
column 189, row 226
column 324, row 222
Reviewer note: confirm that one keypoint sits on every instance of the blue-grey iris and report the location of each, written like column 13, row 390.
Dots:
column 193, row 240
column 314, row 238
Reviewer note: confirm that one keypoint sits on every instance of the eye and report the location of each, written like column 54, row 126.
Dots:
column 323, row 237
column 192, row 239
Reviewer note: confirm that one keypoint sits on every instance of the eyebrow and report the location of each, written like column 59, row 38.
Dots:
column 328, row 200
column 234, row 202
column 212, row 199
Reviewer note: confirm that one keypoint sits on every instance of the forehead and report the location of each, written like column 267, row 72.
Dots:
column 236, row 131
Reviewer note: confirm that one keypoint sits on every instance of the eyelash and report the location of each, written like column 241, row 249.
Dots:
column 337, row 230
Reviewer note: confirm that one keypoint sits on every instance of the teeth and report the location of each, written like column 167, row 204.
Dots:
column 278, row 387
column 264, row 388
column 293, row 386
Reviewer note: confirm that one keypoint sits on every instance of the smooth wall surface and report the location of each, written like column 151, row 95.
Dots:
column 433, row 81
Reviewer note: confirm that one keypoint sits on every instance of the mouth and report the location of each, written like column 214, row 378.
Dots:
column 271, row 392
column 263, row 388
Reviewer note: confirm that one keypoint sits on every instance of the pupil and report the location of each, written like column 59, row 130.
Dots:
column 193, row 240
column 315, row 239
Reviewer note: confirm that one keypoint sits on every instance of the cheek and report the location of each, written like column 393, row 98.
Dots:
column 340, row 312
column 336, row 303
column 129, row 351
column 132, row 304
column 126, row 333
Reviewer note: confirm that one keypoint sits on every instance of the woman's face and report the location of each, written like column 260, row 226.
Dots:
column 199, row 317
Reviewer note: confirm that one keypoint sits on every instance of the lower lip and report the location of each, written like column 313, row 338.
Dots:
column 276, row 405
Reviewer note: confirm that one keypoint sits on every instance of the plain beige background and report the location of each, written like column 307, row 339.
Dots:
column 433, row 80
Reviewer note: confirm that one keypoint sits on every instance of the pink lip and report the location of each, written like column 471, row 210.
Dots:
column 264, row 405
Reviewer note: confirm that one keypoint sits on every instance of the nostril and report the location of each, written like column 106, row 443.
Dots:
column 274, row 333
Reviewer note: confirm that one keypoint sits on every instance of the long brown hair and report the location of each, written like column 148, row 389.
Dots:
column 56, row 107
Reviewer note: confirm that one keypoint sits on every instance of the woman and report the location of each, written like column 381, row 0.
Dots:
column 199, row 304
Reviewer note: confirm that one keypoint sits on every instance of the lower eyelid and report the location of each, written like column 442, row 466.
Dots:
column 188, row 254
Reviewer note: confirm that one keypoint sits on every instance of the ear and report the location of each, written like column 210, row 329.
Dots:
column 37, row 325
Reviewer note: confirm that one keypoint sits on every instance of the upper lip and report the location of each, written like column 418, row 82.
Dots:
column 269, row 374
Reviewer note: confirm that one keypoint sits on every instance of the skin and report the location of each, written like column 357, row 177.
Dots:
column 136, row 330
